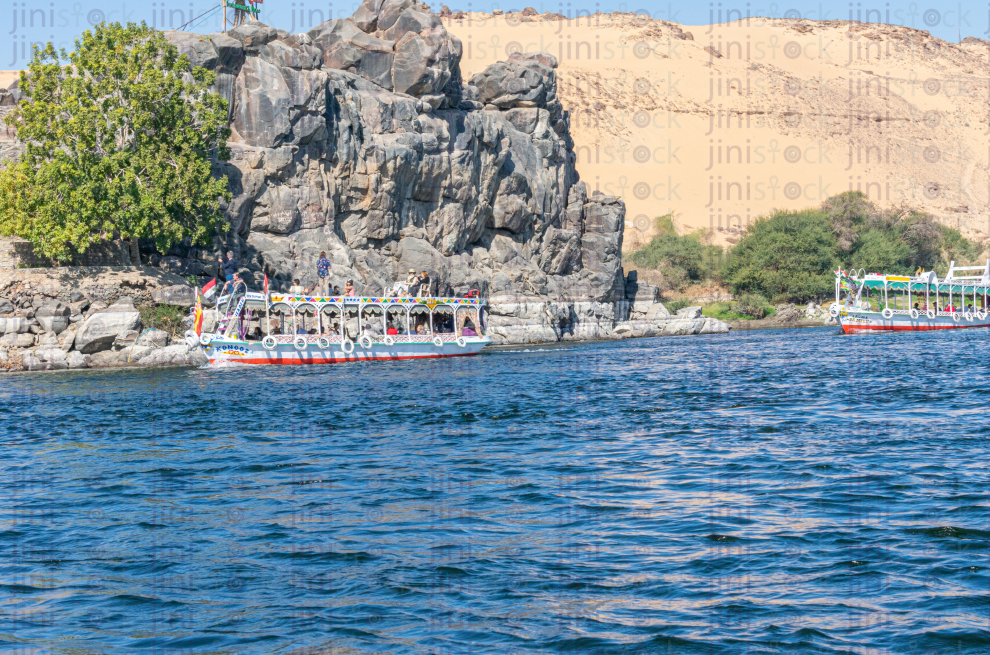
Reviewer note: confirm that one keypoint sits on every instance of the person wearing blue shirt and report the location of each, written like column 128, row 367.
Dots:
column 228, row 268
column 323, row 274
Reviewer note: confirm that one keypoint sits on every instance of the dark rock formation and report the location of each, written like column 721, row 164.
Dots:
column 361, row 139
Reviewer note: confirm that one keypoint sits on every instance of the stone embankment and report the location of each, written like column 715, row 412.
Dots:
column 790, row 316
column 85, row 317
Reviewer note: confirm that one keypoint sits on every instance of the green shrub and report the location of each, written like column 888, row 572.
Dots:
column 788, row 255
column 681, row 260
column 791, row 255
column 164, row 317
column 753, row 305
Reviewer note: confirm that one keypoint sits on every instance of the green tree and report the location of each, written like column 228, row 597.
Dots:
column 120, row 138
column 683, row 259
column 881, row 251
column 786, row 256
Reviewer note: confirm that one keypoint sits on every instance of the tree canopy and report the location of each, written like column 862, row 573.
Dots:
column 120, row 138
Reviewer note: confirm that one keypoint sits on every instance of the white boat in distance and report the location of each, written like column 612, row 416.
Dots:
column 442, row 319
column 876, row 302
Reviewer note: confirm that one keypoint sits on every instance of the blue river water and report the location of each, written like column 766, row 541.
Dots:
column 792, row 491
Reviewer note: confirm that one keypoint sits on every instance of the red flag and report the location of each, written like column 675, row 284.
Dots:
column 266, row 285
column 210, row 288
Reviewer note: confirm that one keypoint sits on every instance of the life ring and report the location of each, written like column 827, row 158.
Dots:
column 205, row 338
column 269, row 343
column 438, row 342
column 931, row 314
column 365, row 341
column 914, row 314
column 955, row 316
column 982, row 316
column 299, row 342
column 390, row 341
column 347, row 346
column 462, row 342
column 969, row 316
column 833, row 310
column 888, row 313
column 323, row 343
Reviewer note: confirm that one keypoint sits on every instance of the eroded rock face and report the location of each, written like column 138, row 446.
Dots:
column 359, row 138
column 101, row 329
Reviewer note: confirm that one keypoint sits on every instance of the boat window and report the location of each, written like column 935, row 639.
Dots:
column 443, row 319
column 419, row 319
column 396, row 318
column 330, row 320
column 351, row 322
column 468, row 317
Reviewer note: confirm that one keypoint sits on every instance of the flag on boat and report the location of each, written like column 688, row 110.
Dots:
column 209, row 289
column 266, row 285
column 198, row 318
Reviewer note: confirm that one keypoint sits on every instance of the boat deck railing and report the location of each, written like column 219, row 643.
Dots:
column 905, row 312
column 375, row 339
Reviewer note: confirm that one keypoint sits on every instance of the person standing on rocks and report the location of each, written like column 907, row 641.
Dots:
column 323, row 274
column 228, row 268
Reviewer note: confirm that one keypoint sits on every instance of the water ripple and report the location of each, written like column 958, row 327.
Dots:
column 774, row 492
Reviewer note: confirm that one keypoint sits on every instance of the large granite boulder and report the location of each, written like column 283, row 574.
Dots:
column 397, row 44
column 177, row 355
column 178, row 294
column 14, row 325
column 153, row 338
column 99, row 331
column 52, row 359
column 523, row 81
column 53, row 316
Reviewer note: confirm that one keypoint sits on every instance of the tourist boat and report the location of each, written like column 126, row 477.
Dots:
column 875, row 302
column 357, row 322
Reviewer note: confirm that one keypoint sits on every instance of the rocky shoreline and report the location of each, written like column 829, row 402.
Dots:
column 87, row 317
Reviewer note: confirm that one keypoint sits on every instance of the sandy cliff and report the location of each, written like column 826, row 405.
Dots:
column 720, row 124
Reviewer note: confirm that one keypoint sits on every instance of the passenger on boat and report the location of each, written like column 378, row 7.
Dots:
column 296, row 289
column 229, row 267
column 349, row 289
column 301, row 330
column 336, row 291
column 468, row 329
column 323, row 273
column 401, row 289
column 420, row 329
column 238, row 288
column 424, row 285
column 391, row 330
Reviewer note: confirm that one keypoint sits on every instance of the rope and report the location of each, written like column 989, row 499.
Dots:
column 183, row 26
column 204, row 20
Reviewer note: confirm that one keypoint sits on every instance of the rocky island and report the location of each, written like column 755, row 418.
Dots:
column 360, row 138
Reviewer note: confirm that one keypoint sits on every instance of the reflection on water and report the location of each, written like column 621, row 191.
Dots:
column 785, row 491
